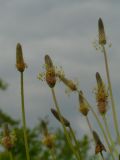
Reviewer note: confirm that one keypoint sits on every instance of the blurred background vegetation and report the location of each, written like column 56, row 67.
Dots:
column 38, row 151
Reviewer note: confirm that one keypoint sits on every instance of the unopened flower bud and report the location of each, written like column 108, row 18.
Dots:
column 102, row 36
column 60, row 119
column 99, row 80
column 20, row 64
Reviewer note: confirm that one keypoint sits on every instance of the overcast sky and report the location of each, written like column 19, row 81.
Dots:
column 64, row 29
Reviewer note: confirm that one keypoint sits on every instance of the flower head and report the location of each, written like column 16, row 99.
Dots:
column 101, row 95
column 99, row 146
column 9, row 138
column 50, row 72
column 48, row 141
column 69, row 83
column 102, row 36
column 60, row 119
column 20, row 64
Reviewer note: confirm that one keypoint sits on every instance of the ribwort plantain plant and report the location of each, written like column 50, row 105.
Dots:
column 8, row 140
column 21, row 65
column 102, row 43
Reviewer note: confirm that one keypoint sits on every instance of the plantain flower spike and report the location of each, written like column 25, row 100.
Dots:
column 50, row 72
column 64, row 120
column 67, row 82
column 99, row 146
column 20, row 64
column 48, row 141
column 8, row 140
column 84, row 109
column 101, row 95
column 102, row 36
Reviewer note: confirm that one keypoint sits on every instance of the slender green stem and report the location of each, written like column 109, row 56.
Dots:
column 102, row 156
column 65, row 130
column 109, row 135
column 10, row 155
column 75, row 140
column 111, row 93
column 23, row 118
column 107, row 129
column 73, row 135
column 89, row 125
column 52, row 154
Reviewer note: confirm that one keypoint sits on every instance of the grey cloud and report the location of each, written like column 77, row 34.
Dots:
column 65, row 30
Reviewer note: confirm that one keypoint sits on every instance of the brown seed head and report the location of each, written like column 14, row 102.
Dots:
column 6, row 131
column 84, row 109
column 20, row 64
column 50, row 72
column 67, row 82
column 8, row 140
column 57, row 116
column 102, row 36
column 99, row 146
column 48, row 140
